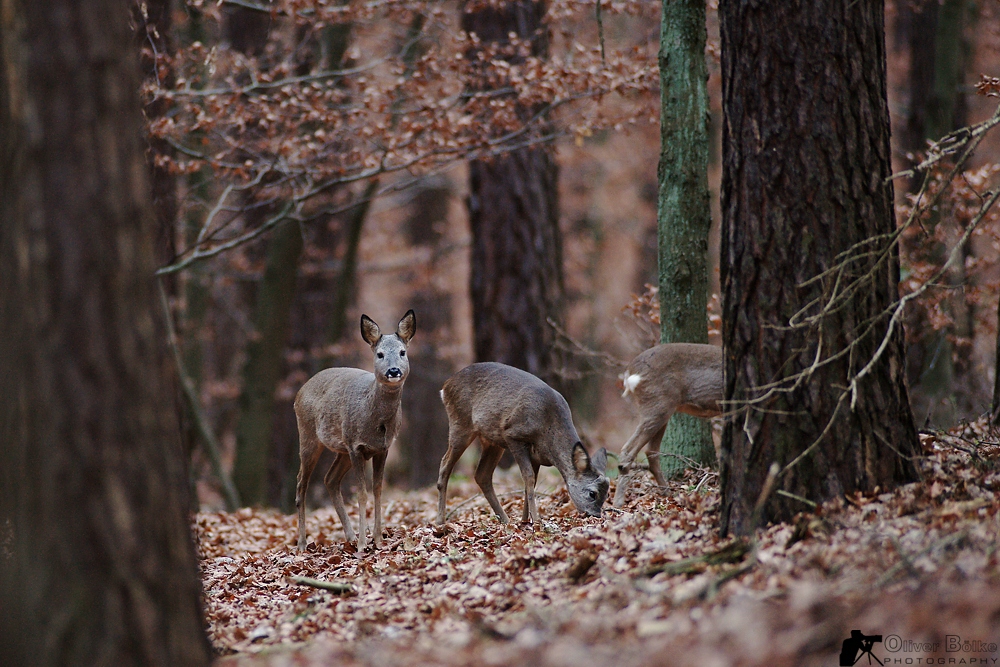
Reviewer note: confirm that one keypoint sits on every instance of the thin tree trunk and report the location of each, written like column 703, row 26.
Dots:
column 516, row 268
column 265, row 363
column 683, row 211
column 995, row 407
column 247, row 31
column 98, row 566
column 805, row 161
column 936, row 369
column 516, row 281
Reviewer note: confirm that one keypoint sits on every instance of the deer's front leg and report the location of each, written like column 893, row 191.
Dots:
column 644, row 433
column 334, row 477
column 378, row 468
column 520, row 453
column 524, row 513
column 358, row 463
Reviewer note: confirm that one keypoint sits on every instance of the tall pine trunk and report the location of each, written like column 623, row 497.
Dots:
column 97, row 565
column 683, row 211
column 805, row 162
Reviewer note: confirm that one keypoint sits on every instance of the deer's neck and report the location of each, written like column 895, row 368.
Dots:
column 384, row 399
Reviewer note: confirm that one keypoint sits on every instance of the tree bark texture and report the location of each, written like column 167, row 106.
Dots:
column 516, row 281
column 805, row 158
column 97, row 565
column 683, row 211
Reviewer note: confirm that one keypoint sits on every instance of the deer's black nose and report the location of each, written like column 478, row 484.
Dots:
column 393, row 373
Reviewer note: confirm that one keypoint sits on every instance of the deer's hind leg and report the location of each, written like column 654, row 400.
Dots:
column 309, row 452
column 648, row 432
column 334, row 476
column 460, row 436
column 484, row 477
column 653, row 456
column 534, row 481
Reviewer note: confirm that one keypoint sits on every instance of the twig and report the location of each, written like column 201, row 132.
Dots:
column 733, row 572
column 334, row 586
column 600, row 29
column 212, row 447
column 907, row 562
column 730, row 553
column 787, row 494
column 765, row 494
column 947, row 437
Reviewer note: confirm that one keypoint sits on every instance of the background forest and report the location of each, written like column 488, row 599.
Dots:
column 311, row 168
column 541, row 183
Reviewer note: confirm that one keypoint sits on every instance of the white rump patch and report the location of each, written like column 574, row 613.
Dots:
column 442, row 395
column 631, row 382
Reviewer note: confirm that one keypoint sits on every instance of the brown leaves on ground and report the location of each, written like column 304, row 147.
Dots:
column 650, row 584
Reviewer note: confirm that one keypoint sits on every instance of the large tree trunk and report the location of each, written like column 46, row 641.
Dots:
column 97, row 565
column 514, row 214
column 805, row 161
column 683, row 211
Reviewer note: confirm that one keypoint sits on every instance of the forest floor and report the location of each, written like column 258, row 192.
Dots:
column 653, row 584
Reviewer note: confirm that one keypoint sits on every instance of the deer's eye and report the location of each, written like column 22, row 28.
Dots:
column 402, row 353
column 381, row 356
column 592, row 494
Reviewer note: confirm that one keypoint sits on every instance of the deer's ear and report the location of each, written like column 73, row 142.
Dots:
column 407, row 326
column 581, row 460
column 600, row 460
column 369, row 330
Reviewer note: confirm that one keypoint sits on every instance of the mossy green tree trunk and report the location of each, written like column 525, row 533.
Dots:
column 97, row 564
column 683, row 212
column 806, row 160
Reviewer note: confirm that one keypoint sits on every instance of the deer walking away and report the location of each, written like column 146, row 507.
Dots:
column 668, row 378
column 355, row 414
column 510, row 409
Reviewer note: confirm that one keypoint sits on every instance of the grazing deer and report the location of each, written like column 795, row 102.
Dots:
column 510, row 409
column 668, row 378
column 355, row 414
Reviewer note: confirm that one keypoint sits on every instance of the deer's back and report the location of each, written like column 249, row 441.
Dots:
column 492, row 398
column 689, row 373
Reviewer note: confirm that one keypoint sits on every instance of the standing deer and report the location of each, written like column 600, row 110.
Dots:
column 668, row 378
column 356, row 415
column 510, row 409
